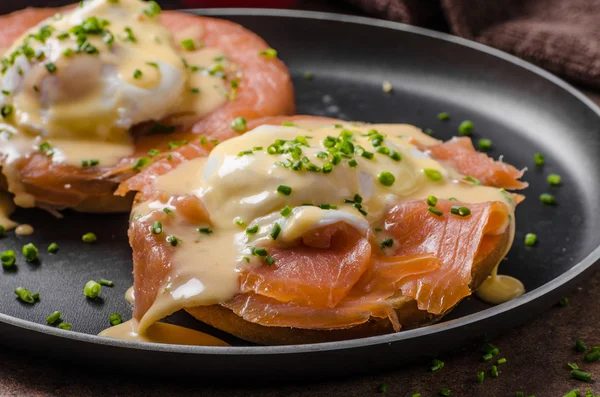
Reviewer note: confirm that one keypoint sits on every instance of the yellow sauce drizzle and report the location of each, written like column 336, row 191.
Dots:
column 498, row 288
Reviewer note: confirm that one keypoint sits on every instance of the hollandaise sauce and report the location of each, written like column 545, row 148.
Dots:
column 271, row 185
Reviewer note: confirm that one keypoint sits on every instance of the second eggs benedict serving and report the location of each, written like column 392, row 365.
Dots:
column 92, row 95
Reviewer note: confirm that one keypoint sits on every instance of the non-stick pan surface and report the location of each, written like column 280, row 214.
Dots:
column 521, row 108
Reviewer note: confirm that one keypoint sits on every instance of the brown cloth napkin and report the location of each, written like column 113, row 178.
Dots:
column 562, row 36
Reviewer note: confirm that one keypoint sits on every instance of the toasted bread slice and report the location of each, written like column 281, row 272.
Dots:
column 408, row 313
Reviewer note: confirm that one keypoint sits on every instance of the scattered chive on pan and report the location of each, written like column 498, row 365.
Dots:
column 494, row 371
column 519, row 394
column 92, row 289
column 501, row 361
column 538, row 158
column 30, row 252
column 573, row 393
column 415, row 395
column 53, row 248
column 484, row 145
column 554, row 179
column 106, row 283
column 88, row 237
column 443, row 116
column 530, row 239
column 115, row 319
column 8, row 258
column 466, row 128
column 65, row 326
column 592, row 356
column 24, row 295
column 547, row 199
column 53, row 317
column 436, row 365
column 564, row 302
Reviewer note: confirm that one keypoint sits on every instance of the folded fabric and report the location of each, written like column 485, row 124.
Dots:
column 558, row 35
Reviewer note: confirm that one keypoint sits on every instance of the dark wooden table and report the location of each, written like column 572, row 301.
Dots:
column 537, row 355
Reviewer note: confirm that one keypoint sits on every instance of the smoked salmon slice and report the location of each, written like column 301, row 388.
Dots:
column 460, row 154
column 264, row 90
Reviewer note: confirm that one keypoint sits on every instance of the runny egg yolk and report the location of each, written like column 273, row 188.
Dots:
column 92, row 73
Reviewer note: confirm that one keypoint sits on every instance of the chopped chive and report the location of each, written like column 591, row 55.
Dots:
column 382, row 388
column 24, row 295
column 538, row 158
column 580, row 346
column 572, row 366
column 580, row 375
column 137, row 74
column 428, row 131
column 65, row 326
column 387, row 243
column 554, row 179
column 36, row 296
column 188, row 44
column 174, row 241
column 436, row 365
column 466, row 128
column 547, row 199
column 246, row 259
column 153, row 9
column 275, row 232
column 53, row 317
column 386, row 178
column 88, row 238
column 8, row 258
column 205, row 230
column 519, row 394
column 444, row 116
column 494, row 371
column 30, row 252
column 285, row 190
column 564, row 302
column 195, row 90
column 106, row 283
column 592, row 356
column 153, row 64
column 288, row 124
column 432, row 174
column 140, row 163
column 286, row 211
column 327, row 168
column 115, row 319
column 157, row 227
column 252, row 229
column 487, row 357
column 6, row 110
column 50, row 67
column 244, row 152
column 352, row 163
column 269, row 53
column 474, row 181
column 92, row 289
column 530, row 239
column 153, row 152
column 460, row 211
column 415, row 395
column 444, row 391
column 488, row 348
column 167, row 211
column 501, row 361
column 238, row 124
column 432, row 201
column 435, row 211
column 259, row 251
column 480, row 376
column 484, row 145
column 270, row 261
column 575, row 393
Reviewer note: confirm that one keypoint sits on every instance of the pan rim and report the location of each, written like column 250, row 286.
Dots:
column 586, row 263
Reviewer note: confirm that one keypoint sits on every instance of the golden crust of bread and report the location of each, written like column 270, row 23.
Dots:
column 406, row 308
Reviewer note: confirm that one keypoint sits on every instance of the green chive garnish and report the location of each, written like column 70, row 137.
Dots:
column 53, row 317
column 554, row 179
column 538, row 158
column 92, row 289
column 286, row 211
column 270, row 261
column 275, row 232
column 259, row 251
column 6, row 110
column 494, row 371
column 432, row 174
column 88, row 238
column 432, row 201
column 153, row 9
column 352, row 163
column 238, row 124
column 472, row 180
column 592, row 356
column 107, row 283
column 140, row 163
column 386, row 178
column 466, row 128
column 460, row 211
column 480, row 376
column 285, row 190
column 484, row 144
column 580, row 346
column 444, row 116
column 444, row 391
column 269, row 53
column 30, row 252
column 580, row 375
column 530, row 239
column 435, row 211
column 564, row 302
column 65, row 326
column 157, row 227
column 252, row 229
column 50, row 67
column 501, row 361
column 487, row 357
column 387, row 243
column 8, row 258
column 205, row 230
column 137, row 74
column 24, row 295
column 172, row 240
column 436, row 365
column 153, row 152
column 188, row 44
column 547, row 199
column 115, row 319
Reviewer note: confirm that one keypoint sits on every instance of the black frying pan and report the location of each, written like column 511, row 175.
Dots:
column 520, row 107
